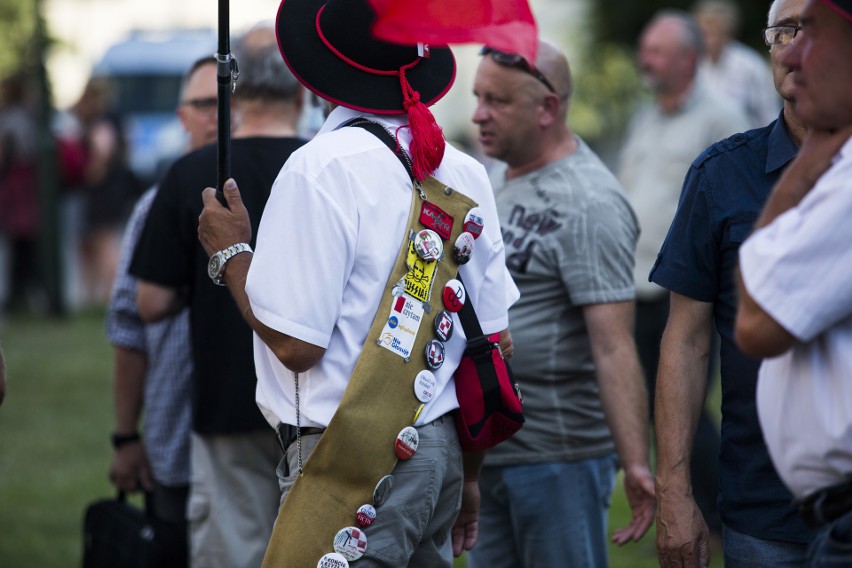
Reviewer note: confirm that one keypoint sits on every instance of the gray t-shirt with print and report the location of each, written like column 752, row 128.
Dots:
column 570, row 236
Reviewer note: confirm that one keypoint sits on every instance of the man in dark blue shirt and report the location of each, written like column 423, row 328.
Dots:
column 723, row 194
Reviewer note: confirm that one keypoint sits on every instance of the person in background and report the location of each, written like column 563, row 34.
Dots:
column 152, row 366
column 662, row 140
column 108, row 190
column 731, row 68
column 723, row 194
column 21, row 283
column 795, row 302
column 234, row 493
column 570, row 234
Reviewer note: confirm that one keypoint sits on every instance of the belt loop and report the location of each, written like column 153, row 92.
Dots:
column 284, row 433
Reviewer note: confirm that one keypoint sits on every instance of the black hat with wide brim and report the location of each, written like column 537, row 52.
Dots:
column 351, row 67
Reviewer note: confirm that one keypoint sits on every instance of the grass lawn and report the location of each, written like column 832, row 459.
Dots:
column 54, row 448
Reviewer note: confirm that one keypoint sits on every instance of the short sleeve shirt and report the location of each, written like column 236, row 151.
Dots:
column 798, row 269
column 329, row 237
column 723, row 195
column 570, row 235
column 170, row 255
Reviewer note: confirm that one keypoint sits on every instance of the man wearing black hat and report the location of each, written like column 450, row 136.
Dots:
column 795, row 300
column 337, row 223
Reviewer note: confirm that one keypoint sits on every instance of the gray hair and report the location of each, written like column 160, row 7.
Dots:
column 264, row 76
column 773, row 12
column 692, row 37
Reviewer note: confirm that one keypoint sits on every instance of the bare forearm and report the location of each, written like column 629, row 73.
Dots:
column 296, row 355
column 129, row 368
column 755, row 331
column 681, row 388
column 624, row 399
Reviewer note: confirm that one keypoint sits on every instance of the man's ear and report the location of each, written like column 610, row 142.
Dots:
column 551, row 105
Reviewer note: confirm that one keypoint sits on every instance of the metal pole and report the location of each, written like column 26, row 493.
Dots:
column 226, row 74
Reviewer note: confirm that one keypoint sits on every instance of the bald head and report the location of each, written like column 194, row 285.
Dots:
column 554, row 65
column 669, row 50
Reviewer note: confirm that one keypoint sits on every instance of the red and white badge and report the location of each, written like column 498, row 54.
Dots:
column 406, row 442
column 366, row 515
column 351, row 543
column 444, row 325
column 428, row 245
column 473, row 222
column 435, row 218
column 434, row 354
column 454, row 295
column 463, row 247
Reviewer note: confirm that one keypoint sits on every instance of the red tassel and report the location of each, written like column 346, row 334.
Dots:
column 427, row 138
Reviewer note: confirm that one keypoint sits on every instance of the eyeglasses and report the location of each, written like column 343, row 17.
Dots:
column 780, row 35
column 206, row 105
column 517, row 61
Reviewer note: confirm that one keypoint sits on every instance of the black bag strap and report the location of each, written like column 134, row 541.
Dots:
column 479, row 348
column 478, row 345
column 382, row 134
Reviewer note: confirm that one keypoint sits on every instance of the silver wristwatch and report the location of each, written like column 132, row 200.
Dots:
column 216, row 265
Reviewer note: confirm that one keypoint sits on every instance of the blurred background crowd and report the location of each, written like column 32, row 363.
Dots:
column 87, row 117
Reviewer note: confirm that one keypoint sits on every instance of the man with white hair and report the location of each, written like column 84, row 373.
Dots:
column 731, row 68
column 795, row 299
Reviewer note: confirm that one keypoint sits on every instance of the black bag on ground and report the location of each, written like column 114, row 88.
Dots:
column 117, row 534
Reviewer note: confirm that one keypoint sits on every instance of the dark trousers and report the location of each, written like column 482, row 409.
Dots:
column 651, row 317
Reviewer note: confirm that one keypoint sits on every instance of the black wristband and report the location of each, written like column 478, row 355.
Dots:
column 119, row 440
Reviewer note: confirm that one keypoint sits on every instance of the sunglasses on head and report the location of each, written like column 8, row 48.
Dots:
column 517, row 61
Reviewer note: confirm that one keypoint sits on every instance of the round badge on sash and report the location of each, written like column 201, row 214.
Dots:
column 463, row 248
column 434, row 354
column 424, row 386
column 473, row 222
column 333, row 560
column 454, row 295
column 366, row 515
column 351, row 543
column 406, row 442
column 383, row 490
column 444, row 325
column 428, row 245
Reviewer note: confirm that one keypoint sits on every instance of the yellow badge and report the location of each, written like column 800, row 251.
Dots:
column 420, row 275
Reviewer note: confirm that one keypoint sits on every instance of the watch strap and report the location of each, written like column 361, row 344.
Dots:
column 119, row 440
column 227, row 254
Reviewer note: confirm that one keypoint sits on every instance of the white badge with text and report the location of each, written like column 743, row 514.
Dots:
column 402, row 325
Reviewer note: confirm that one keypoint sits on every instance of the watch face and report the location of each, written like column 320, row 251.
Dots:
column 214, row 265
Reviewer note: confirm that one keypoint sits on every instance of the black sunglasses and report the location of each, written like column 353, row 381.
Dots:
column 517, row 61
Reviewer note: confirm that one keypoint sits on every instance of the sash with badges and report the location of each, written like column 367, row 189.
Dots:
column 325, row 519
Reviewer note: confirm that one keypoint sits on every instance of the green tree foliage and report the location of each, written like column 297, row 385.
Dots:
column 17, row 26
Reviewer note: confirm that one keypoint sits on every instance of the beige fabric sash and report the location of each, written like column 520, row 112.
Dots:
column 357, row 449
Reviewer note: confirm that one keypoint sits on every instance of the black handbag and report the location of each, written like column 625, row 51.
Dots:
column 117, row 534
